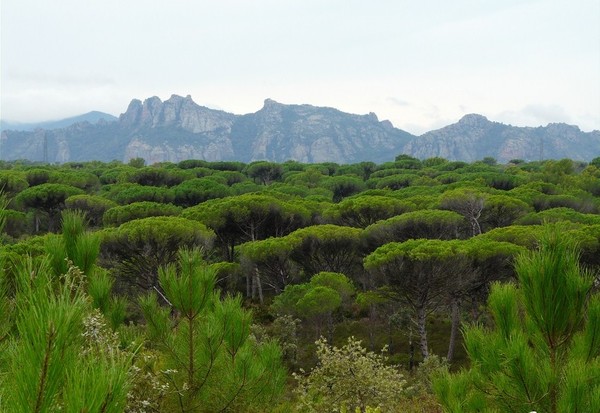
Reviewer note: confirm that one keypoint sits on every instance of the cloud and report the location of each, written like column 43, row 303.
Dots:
column 535, row 114
column 41, row 79
column 397, row 101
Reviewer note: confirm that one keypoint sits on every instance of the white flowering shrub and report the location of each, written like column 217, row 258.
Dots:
column 349, row 378
column 149, row 385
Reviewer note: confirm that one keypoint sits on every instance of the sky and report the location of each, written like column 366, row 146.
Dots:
column 422, row 64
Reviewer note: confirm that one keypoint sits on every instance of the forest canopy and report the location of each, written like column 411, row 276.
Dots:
column 213, row 286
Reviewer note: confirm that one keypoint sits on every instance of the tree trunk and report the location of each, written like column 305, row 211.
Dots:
column 371, row 323
column 411, row 359
column 259, row 286
column 421, row 319
column 475, row 227
column 390, row 337
column 330, row 328
column 454, row 327
column 248, row 292
column 475, row 313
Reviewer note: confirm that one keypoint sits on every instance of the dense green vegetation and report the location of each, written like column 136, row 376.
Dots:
column 222, row 286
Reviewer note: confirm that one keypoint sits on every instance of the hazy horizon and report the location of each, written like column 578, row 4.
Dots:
column 116, row 115
column 421, row 65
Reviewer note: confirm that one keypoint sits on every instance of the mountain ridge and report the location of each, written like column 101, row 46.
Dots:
column 178, row 129
column 91, row 117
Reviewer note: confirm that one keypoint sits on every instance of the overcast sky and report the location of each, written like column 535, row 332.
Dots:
column 421, row 64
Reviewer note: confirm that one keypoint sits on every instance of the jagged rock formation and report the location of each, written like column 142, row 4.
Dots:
column 311, row 134
column 474, row 137
column 179, row 129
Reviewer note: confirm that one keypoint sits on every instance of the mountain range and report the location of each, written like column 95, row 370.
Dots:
column 179, row 129
column 91, row 117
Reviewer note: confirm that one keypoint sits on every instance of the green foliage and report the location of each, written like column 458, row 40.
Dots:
column 435, row 161
column 209, row 358
column 311, row 177
column 226, row 166
column 270, row 241
column 228, row 274
column 99, row 288
column 467, row 202
column 114, row 175
column 47, row 198
column 555, row 171
column 57, row 358
column 349, row 378
column 12, row 182
column 316, row 300
column 502, row 181
column 194, row 191
column 94, row 207
column 423, row 273
column 231, row 177
column 364, row 210
column 248, row 217
column 128, row 193
column 284, row 329
column 15, row 223
column 285, row 303
column 75, row 246
column 517, row 234
column 326, row 248
column 580, row 203
column 557, row 215
column 488, row 160
column 138, row 248
column 79, row 179
column 543, row 351
column 413, row 225
column 394, row 182
column 153, row 176
column 192, row 163
column 264, row 172
column 271, row 258
column 37, row 176
column 137, row 162
column 4, row 201
column 343, row 186
column 120, row 214
column 336, row 281
column 502, row 211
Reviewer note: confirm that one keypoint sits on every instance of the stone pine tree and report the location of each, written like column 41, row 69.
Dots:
column 210, row 359
column 543, row 352
column 417, row 273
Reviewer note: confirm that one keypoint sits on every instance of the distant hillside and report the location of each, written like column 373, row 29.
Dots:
column 475, row 137
column 179, row 129
column 91, row 117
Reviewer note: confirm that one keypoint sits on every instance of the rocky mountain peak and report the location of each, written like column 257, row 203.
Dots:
column 473, row 119
column 176, row 111
column 372, row 116
column 132, row 114
column 562, row 127
column 270, row 104
column 178, row 129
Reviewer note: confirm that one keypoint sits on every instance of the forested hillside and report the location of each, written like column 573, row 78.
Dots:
column 249, row 287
